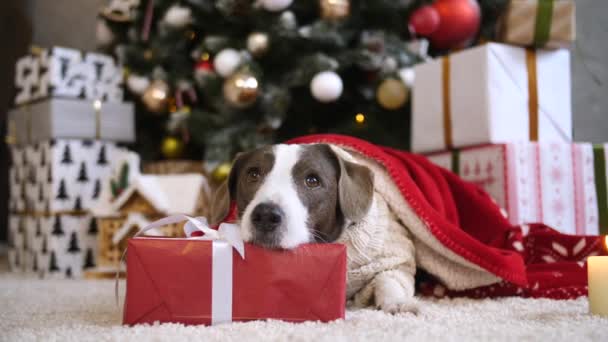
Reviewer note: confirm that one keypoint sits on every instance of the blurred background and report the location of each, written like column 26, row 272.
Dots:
column 73, row 24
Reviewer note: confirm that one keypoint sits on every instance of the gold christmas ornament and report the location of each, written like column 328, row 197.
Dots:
column 257, row 43
column 156, row 97
column 241, row 89
column 334, row 9
column 392, row 94
column 148, row 54
column 360, row 118
column 172, row 147
column 221, row 172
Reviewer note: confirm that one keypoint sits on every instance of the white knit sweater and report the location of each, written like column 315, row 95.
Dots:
column 391, row 241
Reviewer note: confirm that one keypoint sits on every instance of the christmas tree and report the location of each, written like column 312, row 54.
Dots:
column 89, row 261
column 57, row 226
column 214, row 77
column 97, row 188
column 53, row 267
column 67, row 155
column 93, row 229
column 62, row 193
column 82, row 173
column 73, row 244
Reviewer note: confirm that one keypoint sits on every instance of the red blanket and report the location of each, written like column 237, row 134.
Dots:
column 533, row 260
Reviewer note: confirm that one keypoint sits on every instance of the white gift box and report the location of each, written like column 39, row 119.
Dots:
column 72, row 119
column 64, row 72
column 62, row 175
column 487, row 94
column 561, row 185
column 55, row 246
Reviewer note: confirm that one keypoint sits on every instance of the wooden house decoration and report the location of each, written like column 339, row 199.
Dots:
column 148, row 198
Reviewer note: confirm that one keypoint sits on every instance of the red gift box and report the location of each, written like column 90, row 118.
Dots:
column 172, row 280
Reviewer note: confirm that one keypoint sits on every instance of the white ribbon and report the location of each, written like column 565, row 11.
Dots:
column 224, row 239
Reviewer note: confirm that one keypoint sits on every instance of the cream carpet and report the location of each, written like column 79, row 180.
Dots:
column 84, row 310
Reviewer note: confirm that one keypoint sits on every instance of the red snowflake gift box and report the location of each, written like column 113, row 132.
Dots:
column 197, row 281
column 559, row 184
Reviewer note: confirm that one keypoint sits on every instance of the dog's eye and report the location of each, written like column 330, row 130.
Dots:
column 253, row 174
column 312, row 181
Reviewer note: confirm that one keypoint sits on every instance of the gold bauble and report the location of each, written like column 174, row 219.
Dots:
column 172, row 147
column 392, row 94
column 334, row 9
column 241, row 89
column 257, row 43
column 156, row 97
column 221, row 172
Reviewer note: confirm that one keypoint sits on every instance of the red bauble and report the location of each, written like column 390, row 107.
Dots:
column 424, row 21
column 459, row 22
column 204, row 65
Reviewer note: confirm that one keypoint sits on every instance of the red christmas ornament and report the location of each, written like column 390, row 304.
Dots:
column 458, row 25
column 204, row 65
column 424, row 21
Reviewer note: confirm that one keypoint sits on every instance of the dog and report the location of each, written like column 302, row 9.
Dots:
column 289, row 195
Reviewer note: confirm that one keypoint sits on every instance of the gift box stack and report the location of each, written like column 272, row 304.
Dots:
column 64, row 130
column 500, row 115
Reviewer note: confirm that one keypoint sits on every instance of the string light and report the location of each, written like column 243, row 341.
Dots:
column 97, row 105
column 205, row 56
column 360, row 118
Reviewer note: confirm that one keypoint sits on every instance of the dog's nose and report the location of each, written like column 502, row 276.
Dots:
column 267, row 217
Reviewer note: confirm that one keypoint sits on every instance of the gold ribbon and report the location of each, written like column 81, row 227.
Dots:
column 532, row 98
column 532, row 94
column 33, row 213
column 97, row 107
column 447, row 114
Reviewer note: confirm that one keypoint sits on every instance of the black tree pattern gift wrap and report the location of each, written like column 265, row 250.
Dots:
column 67, row 73
column 53, row 185
column 57, row 245
column 60, row 175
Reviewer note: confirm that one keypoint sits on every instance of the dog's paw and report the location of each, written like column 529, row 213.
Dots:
column 409, row 306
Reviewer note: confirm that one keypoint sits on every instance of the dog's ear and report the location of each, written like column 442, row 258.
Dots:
column 223, row 196
column 355, row 189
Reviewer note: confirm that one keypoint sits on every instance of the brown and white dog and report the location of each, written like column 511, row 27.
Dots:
column 288, row 195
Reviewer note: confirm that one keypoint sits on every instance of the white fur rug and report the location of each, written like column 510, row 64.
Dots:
column 84, row 310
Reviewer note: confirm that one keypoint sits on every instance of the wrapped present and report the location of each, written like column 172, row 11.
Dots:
column 60, row 175
column 64, row 72
column 539, row 23
column 73, row 119
column 493, row 93
column 57, row 246
column 561, row 185
column 194, row 281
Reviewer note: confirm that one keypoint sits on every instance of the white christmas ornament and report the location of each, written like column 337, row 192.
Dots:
column 226, row 62
column 276, row 5
column 178, row 16
column 137, row 84
column 103, row 33
column 326, row 86
column 407, row 76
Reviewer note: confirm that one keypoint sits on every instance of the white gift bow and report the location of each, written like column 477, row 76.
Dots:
column 225, row 238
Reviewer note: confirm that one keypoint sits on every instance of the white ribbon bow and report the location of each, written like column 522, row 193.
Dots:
column 227, row 232
column 225, row 238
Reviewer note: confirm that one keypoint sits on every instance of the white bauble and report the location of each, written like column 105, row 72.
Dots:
column 137, row 84
column 407, row 76
column 326, row 86
column 104, row 35
column 178, row 16
column 276, row 5
column 226, row 62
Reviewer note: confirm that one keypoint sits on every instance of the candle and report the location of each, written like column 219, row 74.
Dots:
column 597, row 270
